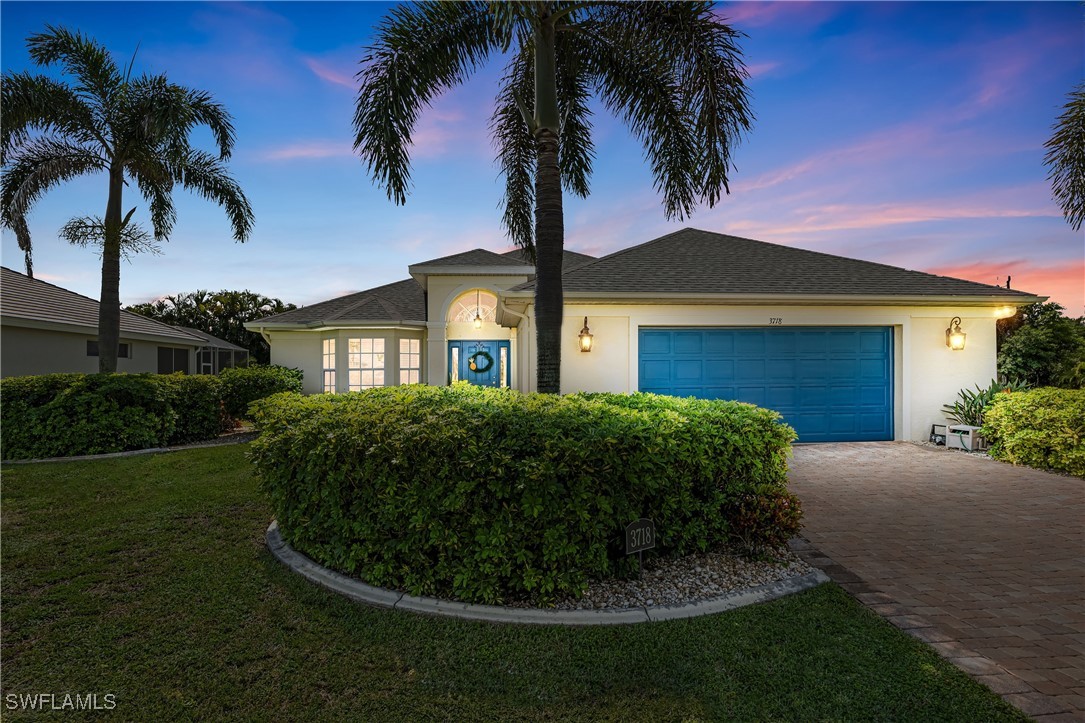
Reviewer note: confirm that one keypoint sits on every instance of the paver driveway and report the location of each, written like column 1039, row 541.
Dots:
column 981, row 559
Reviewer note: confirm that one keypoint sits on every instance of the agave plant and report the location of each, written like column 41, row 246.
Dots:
column 970, row 405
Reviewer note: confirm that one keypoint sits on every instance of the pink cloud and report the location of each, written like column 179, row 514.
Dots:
column 759, row 14
column 1063, row 282
column 329, row 74
column 308, row 150
column 758, row 69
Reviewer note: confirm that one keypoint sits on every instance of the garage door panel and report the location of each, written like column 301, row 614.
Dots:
column 687, row 370
column 719, row 369
column 830, row 384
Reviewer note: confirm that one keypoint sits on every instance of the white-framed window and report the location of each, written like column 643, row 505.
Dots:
column 365, row 364
column 329, row 366
column 410, row 361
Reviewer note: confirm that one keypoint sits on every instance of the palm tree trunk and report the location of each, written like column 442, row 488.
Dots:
column 549, row 215
column 109, row 305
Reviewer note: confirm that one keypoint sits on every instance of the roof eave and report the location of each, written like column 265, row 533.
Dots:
column 258, row 326
column 600, row 297
column 46, row 325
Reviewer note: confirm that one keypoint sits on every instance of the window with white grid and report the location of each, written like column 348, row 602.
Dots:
column 329, row 366
column 410, row 361
column 365, row 364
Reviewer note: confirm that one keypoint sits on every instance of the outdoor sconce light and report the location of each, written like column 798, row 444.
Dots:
column 954, row 335
column 585, row 337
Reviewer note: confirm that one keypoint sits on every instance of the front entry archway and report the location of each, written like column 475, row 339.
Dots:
column 485, row 363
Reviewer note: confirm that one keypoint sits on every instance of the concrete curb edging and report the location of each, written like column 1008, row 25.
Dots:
column 379, row 597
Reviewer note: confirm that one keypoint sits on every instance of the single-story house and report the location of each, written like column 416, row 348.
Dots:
column 45, row 329
column 845, row 350
column 217, row 354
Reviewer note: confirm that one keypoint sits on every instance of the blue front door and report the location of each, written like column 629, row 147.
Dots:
column 485, row 363
column 832, row 384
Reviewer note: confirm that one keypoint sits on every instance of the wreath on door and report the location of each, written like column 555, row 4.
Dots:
column 480, row 362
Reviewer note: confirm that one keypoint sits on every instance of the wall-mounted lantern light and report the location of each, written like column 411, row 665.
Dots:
column 585, row 337
column 954, row 335
column 478, row 309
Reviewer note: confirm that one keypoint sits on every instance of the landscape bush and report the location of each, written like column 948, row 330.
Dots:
column 1043, row 428
column 71, row 414
column 60, row 415
column 241, row 386
column 197, row 401
column 489, row 495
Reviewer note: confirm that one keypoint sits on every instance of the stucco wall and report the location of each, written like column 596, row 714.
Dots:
column 304, row 350
column 927, row 374
column 25, row 351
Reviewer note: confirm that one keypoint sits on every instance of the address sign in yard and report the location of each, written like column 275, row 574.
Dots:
column 640, row 536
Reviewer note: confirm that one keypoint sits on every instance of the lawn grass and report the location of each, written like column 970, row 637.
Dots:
column 147, row 577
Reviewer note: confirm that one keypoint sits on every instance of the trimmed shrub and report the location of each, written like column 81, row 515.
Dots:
column 71, row 414
column 241, row 386
column 57, row 415
column 1042, row 428
column 486, row 495
column 197, row 402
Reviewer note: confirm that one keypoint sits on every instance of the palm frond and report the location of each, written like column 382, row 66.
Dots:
column 419, row 51
column 33, row 168
column 89, row 231
column 37, row 103
column 206, row 175
column 155, row 181
column 634, row 81
column 674, row 71
column 89, row 62
column 577, row 151
column 1065, row 159
column 516, row 148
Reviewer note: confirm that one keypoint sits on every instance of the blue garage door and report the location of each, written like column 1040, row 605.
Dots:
column 831, row 384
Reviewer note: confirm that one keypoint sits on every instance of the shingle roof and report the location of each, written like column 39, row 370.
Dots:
column 400, row 301
column 213, row 340
column 22, row 297
column 701, row 262
column 569, row 260
column 474, row 257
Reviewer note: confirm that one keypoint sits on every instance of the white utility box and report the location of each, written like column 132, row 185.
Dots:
column 963, row 436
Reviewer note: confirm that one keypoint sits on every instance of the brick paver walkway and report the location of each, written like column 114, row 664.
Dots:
column 981, row 559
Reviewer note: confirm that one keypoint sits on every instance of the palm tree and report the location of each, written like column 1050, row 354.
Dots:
column 671, row 70
column 109, row 122
column 1066, row 159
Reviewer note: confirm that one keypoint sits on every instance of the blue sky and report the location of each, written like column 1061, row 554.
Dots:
column 904, row 133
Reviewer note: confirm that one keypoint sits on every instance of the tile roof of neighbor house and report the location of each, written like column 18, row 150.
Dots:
column 213, row 340
column 22, row 297
column 701, row 262
column 399, row 301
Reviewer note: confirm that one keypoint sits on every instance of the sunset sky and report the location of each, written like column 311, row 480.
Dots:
column 908, row 134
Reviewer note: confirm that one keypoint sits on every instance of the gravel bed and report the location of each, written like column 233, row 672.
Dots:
column 687, row 579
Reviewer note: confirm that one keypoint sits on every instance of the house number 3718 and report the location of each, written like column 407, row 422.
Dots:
column 775, row 321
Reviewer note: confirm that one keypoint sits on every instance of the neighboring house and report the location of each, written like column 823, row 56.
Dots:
column 45, row 329
column 217, row 354
column 845, row 350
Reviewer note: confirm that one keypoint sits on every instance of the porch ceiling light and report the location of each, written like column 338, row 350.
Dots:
column 585, row 337
column 478, row 310
column 954, row 336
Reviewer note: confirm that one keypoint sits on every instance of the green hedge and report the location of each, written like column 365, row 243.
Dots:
column 70, row 414
column 62, row 415
column 244, row 385
column 488, row 495
column 1042, row 428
